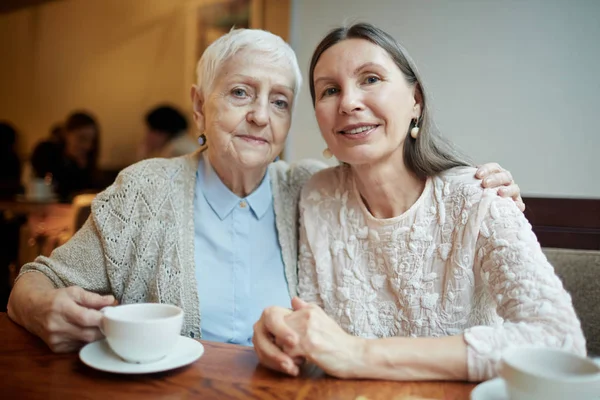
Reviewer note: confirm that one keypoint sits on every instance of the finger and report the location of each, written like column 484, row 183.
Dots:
column 511, row 191
column 74, row 335
column 85, row 335
column 299, row 361
column 269, row 354
column 65, row 347
column 299, row 304
column 520, row 203
column 63, row 336
column 81, row 316
column 487, row 169
column 274, row 323
column 90, row 299
column 497, row 179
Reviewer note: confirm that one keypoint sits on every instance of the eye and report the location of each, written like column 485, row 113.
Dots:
column 281, row 104
column 372, row 79
column 239, row 92
column 329, row 92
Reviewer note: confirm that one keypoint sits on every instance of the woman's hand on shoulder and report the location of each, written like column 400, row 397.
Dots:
column 493, row 176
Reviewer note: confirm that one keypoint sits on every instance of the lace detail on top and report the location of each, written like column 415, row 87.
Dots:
column 461, row 260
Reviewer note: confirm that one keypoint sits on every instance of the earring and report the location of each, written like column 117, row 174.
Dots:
column 327, row 153
column 414, row 132
column 202, row 139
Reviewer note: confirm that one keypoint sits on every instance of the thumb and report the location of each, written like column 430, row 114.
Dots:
column 299, row 304
column 92, row 300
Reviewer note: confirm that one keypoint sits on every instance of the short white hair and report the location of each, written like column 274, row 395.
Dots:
column 275, row 48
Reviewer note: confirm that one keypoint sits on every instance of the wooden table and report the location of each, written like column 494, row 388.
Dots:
column 28, row 370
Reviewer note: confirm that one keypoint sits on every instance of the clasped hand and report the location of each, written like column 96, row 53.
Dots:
column 284, row 339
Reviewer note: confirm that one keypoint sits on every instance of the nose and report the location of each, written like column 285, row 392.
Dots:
column 350, row 102
column 259, row 112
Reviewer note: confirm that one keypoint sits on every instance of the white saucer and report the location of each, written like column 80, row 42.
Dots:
column 98, row 355
column 494, row 389
column 21, row 198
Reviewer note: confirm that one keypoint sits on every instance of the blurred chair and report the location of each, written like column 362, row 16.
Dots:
column 579, row 271
column 82, row 208
column 43, row 236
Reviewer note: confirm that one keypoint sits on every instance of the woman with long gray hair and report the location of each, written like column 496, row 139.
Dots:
column 408, row 268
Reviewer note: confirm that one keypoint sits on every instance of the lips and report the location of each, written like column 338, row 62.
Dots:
column 356, row 129
column 250, row 138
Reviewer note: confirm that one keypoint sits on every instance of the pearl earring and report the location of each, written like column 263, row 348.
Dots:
column 327, row 153
column 414, row 132
column 202, row 139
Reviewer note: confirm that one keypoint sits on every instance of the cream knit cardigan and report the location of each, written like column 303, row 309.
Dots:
column 138, row 243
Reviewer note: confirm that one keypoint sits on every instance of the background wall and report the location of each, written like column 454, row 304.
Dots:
column 517, row 82
column 111, row 57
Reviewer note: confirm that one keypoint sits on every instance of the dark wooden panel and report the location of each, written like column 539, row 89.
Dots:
column 565, row 223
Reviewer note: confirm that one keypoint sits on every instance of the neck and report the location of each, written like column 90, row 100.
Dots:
column 387, row 188
column 239, row 180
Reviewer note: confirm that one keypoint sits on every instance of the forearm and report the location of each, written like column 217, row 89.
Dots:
column 401, row 358
column 23, row 297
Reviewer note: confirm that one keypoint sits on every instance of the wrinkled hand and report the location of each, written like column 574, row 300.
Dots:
column 317, row 338
column 269, row 332
column 494, row 176
column 67, row 318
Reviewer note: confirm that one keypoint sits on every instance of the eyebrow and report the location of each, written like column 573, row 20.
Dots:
column 256, row 81
column 356, row 71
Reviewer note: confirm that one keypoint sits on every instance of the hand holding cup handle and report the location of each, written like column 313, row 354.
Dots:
column 102, row 322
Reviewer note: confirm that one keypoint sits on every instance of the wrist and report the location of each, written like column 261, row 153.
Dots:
column 358, row 365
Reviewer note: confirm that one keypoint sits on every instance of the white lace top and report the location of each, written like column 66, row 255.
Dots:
column 460, row 260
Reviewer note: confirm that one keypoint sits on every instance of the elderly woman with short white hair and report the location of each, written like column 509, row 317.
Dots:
column 214, row 233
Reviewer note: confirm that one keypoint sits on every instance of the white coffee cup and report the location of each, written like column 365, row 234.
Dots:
column 142, row 333
column 38, row 189
column 549, row 374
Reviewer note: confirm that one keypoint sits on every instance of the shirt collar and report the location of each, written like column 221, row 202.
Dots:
column 223, row 201
column 260, row 200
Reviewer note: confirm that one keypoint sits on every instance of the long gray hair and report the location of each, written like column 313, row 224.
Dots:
column 430, row 153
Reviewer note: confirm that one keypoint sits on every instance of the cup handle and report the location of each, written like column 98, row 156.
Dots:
column 103, row 311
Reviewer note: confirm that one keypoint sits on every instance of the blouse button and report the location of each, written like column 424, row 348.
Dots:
column 243, row 204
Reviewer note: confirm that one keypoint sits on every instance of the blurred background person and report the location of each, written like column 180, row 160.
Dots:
column 166, row 134
column 70, row 157
column 48, row 153
column 10, row 185
column 10, row 165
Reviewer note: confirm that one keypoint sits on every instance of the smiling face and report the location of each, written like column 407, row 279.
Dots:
column 363, row 103
column 247, row 115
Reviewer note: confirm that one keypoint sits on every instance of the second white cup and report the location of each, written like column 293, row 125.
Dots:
column 549, row 374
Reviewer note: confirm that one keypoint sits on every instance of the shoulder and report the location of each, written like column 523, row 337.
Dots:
column 154, row 174
column 181, row 145
column 295, row 174
column 153, row 168
column 460, row 182
column 329, row 182
column 462, row 193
